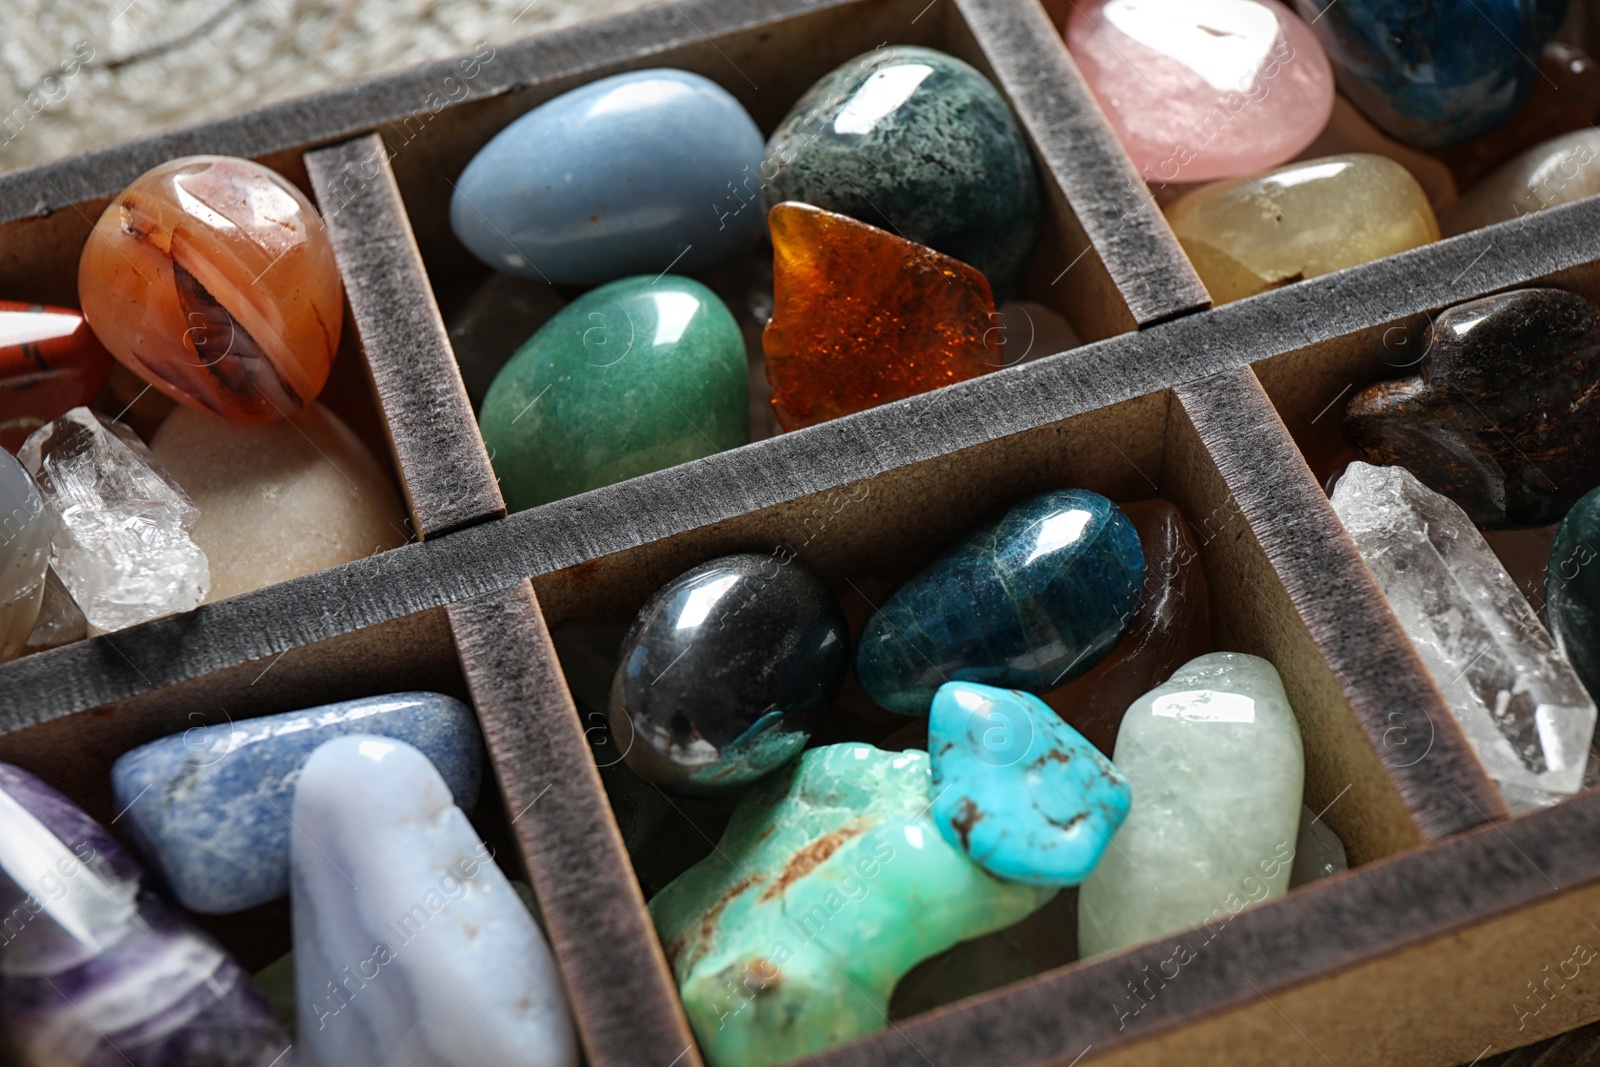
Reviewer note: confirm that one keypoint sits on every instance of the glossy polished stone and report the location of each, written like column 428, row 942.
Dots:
column 862, row 317
column 24, row 555
column 410, row 946
column 50, row 363
column 213, row 279
column 1027, row 601
column 918, row 143
column 1504, row 417
column 637, row 173
column 97, row 971
column 1216, row 765
column 1572, row 590
column 1171, row 627
column 1203, row 89
column 1307, row 219
column 632, row 377
column 830, row 883
column 1022, row 794
column 1435, row 72
column 1559, row 171
column 497, row 319
column 1523, row 710
column 279, row 499
column 726, row 671
column 208, row 807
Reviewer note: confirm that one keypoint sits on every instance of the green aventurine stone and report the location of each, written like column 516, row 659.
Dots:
column 830, row 883
column 635, row 376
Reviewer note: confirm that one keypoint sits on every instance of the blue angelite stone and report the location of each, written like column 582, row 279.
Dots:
column 1028, row 602
column 1023, row 794
column 1435, row 72
column 631, row 174
column 210, row 807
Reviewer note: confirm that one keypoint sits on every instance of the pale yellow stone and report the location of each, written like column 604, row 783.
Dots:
column 1247, row 235
column 279, row 499
column 1558, row 171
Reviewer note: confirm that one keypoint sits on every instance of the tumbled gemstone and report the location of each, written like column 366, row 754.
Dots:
column 861, row 317
column 1559, row 171
column 213, row 279
column 50, row 363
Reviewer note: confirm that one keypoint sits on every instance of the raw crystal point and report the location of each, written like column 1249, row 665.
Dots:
column 1559, row 171
column 24, row 555
column 1023, row 794
column 830, row 883
column 208, row 807
column 119, row 523
column 410, row 946
column 1216, row 765
column 50, row 363
column 97, row 972
column 1521, row 706
column 1318, row 852
column 861, row 317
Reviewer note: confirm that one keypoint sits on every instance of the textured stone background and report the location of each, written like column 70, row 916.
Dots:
column 144, row 65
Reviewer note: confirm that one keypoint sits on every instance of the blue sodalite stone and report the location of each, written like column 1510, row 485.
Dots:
column 1023, row 794
column 623, row 176
column 1028, row 602
column 918, row 143
column 209, row 808
column 1435, row 72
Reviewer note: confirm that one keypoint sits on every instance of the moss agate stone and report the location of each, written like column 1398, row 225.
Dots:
column 1572, row 590
column 1023, row 794
column 632, row 377
column 1504, row 417
column 1028, row 602
column 918, row 143
column 830, row 883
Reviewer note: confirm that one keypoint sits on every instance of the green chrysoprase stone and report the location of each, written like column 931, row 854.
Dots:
column 831, row 882
column 635, row 376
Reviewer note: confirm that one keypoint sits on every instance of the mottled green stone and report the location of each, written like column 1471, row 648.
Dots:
column 635, row 376
column 831, row 882
column 919, row 143
column 1572, row 590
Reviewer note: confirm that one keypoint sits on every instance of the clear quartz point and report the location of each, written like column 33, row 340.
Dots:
column 1515, row 694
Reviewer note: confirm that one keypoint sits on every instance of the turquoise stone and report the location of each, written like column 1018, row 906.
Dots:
column 1023, row 794
column 1572, row 590
column 918, row 143
column 1028, row 602
column 632, row 377
column 1215, row 760
column 831, row 883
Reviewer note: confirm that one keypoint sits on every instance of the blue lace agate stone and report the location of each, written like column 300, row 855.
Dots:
column 1028, row 602
column 1023, row 794
column 1435, row 72
column 209, row 807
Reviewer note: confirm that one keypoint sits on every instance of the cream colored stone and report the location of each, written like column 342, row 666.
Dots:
column 279, row 499
column 1247, row 235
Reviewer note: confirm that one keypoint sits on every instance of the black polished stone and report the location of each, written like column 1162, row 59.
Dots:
column 726, row 671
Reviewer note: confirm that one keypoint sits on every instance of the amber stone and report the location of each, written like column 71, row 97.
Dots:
column 861, row 317
column 50, row 363
column 213, row 279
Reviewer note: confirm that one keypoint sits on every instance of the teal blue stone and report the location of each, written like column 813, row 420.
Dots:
column 1572, row 590
column 918, row 143
column 1023, row 794
column 1029, row 602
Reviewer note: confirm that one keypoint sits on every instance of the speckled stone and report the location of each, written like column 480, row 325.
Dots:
column 1504, row 417
column 918, row 143
column 209, row 807
column 1028, row 601
column 1023, row 794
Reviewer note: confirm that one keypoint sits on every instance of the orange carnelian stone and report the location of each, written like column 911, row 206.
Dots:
column 861, row 317
column 213, row 279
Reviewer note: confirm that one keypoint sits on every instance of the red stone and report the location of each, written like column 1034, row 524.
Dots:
column 50, row 363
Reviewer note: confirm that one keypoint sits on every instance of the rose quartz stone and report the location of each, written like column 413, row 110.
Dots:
column 1203, row 89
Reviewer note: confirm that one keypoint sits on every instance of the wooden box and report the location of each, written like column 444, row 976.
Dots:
column 1438, row 947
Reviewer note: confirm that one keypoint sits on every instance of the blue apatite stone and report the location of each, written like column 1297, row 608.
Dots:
column 1023, row 794
column 1435, row 72
column 209, row 808
column 631, row 174
column 1029, row 602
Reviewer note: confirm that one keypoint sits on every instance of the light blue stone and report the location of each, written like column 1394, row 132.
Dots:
column 210, row 807
column 622, row 176
column 1023, row 794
